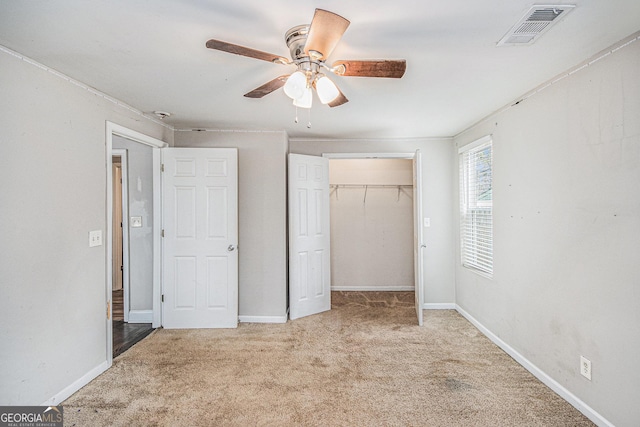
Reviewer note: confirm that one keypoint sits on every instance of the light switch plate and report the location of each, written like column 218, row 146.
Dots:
column 136, row 221
column 95, row 238
column 427, row 222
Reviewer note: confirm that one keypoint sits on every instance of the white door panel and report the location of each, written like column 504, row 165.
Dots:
column 200, row 268
column 418, row 240
column 309, row 258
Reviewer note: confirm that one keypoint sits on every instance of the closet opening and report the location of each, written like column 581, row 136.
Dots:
column 372, row 231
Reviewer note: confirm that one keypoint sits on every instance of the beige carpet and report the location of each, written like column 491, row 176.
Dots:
column 364, row 363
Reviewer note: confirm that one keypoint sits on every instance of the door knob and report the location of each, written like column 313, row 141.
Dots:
column 231, row 248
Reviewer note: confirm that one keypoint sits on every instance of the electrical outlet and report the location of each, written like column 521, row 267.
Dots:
column 585, row 367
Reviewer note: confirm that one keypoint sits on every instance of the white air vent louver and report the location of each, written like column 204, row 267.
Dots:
column 534, row 23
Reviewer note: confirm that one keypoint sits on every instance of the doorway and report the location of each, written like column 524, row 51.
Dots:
column 371, row 225
column 119, row 230
column 309, row 240
column 147, row 314
column 127, row 325
column 372, row 260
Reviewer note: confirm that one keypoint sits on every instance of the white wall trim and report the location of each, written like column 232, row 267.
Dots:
column 538, row 373
column 76, row 385
column 157, row 243
column 439, row 306
column 116, row 129
column 262, row 319
column 373, row 288
column 141, row 316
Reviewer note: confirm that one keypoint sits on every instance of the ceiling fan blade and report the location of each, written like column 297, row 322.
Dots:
column 375, row 68
column 341, row 99
column 245, row 51
column 268, row 87
column 325, row 32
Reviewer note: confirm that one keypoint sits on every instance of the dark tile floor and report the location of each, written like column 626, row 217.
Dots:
column 125, row 335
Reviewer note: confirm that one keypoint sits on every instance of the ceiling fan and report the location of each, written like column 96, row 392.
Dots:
column 310, row 46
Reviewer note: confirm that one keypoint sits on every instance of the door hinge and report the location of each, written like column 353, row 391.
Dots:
column 162, row 233
column 162, row 297
column 162, row 167
column 108, row 310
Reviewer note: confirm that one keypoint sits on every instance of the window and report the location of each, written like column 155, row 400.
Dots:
column 476, row 206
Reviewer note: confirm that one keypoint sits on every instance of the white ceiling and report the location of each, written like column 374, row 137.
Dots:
column 151, row 54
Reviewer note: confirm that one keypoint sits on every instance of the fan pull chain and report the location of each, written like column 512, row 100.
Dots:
column 309, row 124
column 296, row 120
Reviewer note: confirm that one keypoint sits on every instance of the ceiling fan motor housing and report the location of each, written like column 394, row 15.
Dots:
column 296, row 39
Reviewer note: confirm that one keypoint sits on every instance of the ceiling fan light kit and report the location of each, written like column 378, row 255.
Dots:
column 309, row 47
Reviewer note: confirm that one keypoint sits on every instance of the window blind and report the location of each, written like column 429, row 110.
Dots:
column 476, row 207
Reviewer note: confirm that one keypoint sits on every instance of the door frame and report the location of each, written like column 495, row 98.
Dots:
column 402, row 155
column 122, row 153
column 112, row 129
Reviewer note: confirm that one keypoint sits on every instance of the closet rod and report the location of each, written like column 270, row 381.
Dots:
column 369, row 185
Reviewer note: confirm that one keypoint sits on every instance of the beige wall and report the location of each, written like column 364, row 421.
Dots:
column 52, row 284
column 566, row 231
column 262, row 212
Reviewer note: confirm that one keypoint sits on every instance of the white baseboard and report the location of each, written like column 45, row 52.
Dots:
column 76, row 385
column 438, row 306
column 538, row 373
column 262, row 319
column 347, row 288
column 141, row 316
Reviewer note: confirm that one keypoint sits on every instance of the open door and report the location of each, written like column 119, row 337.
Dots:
column 418, row 239
column 200, row 224
column 309, row 244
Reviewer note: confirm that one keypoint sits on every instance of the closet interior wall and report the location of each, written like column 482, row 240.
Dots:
column 371, row 224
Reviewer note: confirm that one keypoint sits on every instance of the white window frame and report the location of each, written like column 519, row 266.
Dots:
column 476, row 216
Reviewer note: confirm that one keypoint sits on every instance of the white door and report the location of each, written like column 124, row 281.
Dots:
column 418, row 239
column 309, row 257
column 200, row 223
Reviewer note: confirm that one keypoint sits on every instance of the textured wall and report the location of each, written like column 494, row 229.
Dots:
column 566, row 225
column 52, row 284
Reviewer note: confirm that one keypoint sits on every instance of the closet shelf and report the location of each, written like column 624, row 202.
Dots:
column 369, row 186
column 334, row 188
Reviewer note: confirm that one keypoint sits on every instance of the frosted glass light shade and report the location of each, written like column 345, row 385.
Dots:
column 327, row 90
column 296, row 85
column 305, row 100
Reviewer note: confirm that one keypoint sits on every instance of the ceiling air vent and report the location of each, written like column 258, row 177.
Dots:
column 534, row 23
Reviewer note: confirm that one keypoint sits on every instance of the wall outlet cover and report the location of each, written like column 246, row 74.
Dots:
column 136, row 221
column 585, row 367
column 95, row 238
